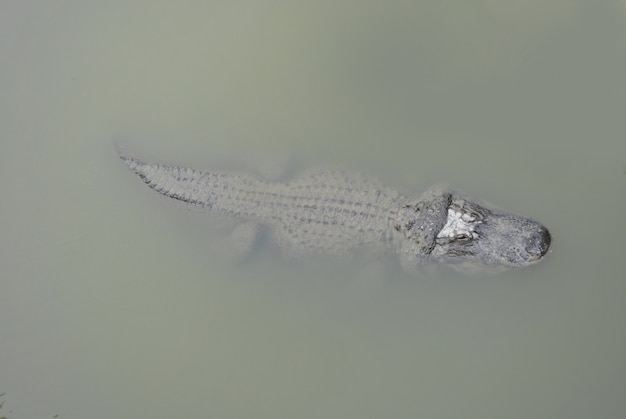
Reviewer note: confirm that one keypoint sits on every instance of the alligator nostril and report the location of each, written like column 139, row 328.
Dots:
column 539, row 243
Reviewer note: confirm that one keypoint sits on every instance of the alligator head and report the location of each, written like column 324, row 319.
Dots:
column 466, row 235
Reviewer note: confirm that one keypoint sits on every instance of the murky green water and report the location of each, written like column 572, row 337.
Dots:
column 115, row 302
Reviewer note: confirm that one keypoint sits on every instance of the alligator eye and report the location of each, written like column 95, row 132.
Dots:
column 463, row 237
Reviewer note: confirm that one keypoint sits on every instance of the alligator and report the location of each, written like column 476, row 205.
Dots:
column 334, row 212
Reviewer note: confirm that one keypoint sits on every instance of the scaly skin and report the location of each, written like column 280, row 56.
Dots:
column 334, row 212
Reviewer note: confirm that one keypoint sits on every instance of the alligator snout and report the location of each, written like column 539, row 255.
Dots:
column 538, row 244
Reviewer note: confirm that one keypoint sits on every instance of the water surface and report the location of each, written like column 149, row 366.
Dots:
column 115, row 302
